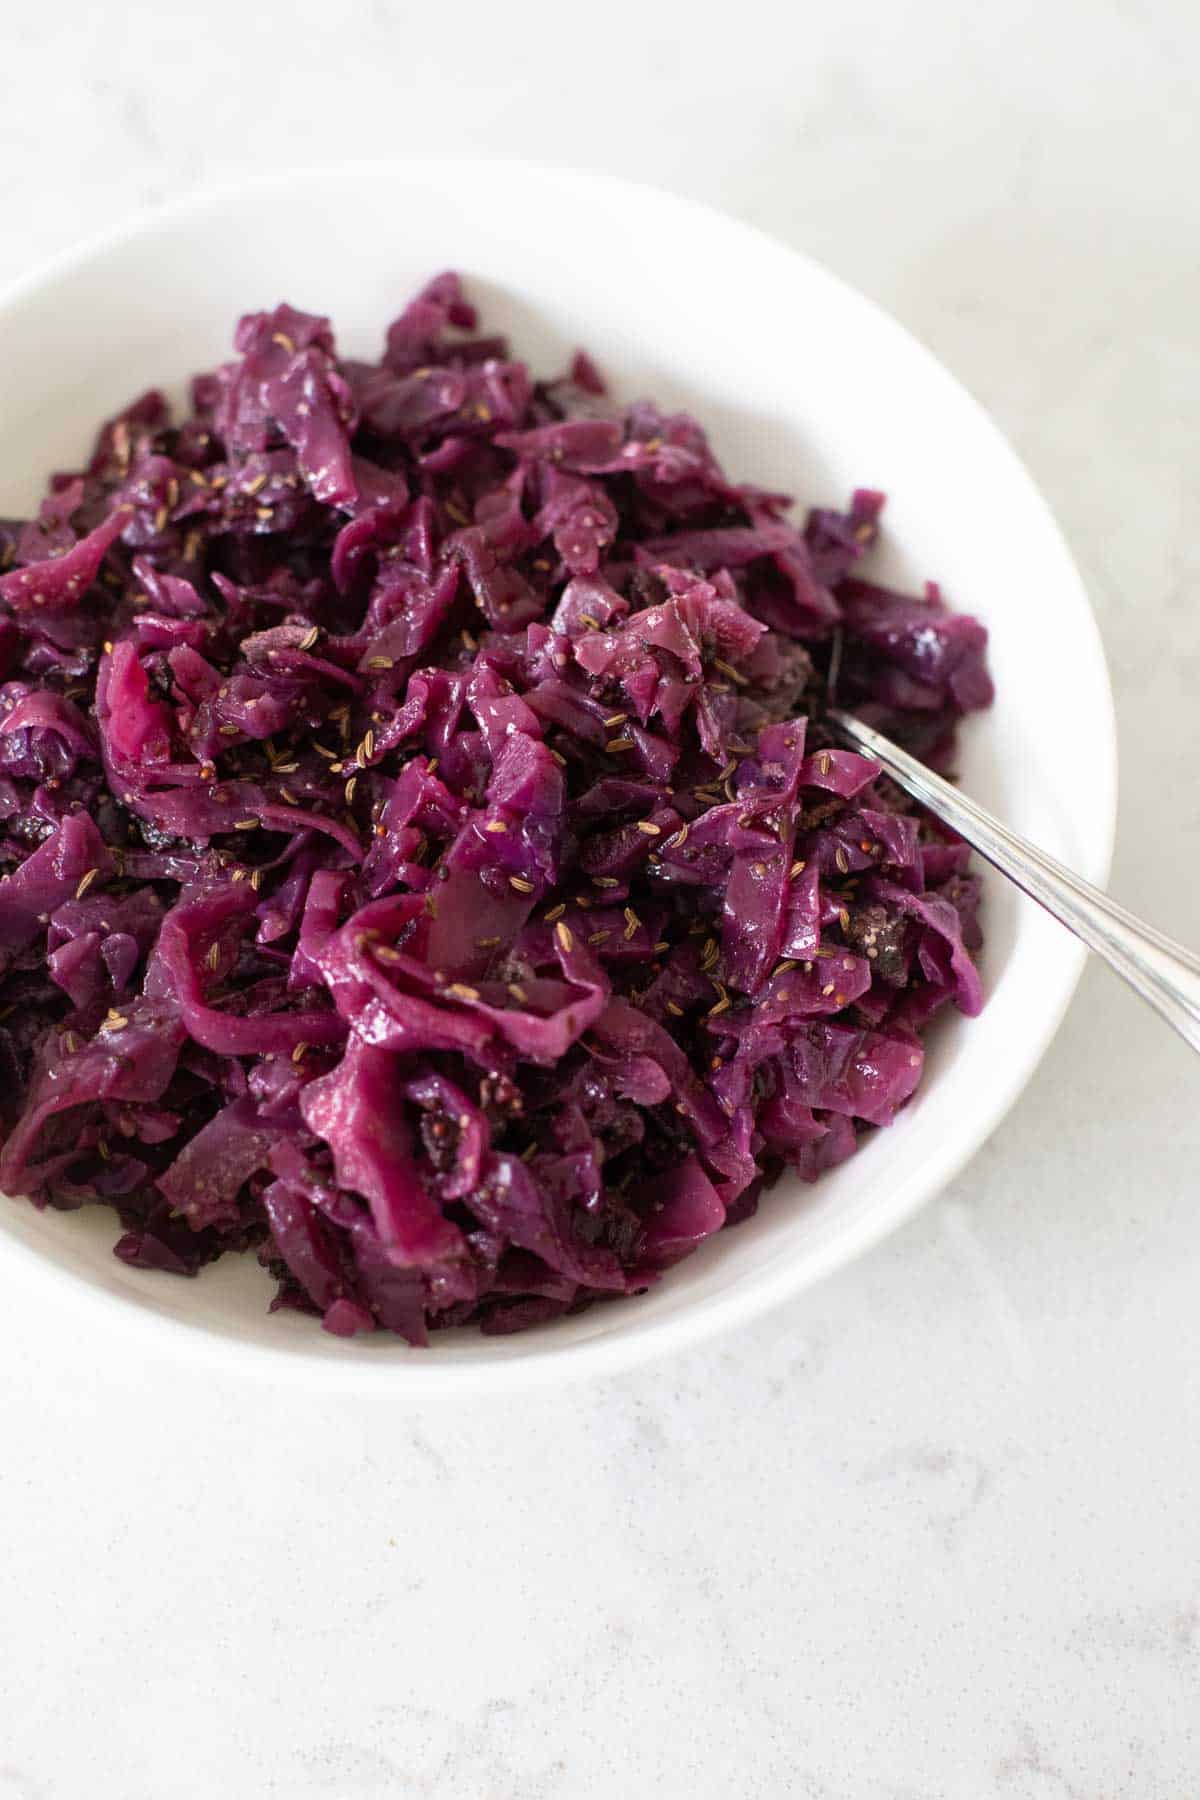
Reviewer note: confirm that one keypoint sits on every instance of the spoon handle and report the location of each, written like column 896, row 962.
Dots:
column 1162, row 972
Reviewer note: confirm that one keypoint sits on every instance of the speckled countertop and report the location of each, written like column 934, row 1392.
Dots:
column 932, row 1530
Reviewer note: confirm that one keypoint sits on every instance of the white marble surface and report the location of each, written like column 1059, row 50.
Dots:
column 933, row 1530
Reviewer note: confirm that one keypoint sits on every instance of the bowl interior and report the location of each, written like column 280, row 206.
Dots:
column 804, row 386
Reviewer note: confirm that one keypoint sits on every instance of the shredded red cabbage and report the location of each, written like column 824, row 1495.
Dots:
column 424, row 863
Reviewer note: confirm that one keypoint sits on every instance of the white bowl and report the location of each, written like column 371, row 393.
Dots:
column 805, row 386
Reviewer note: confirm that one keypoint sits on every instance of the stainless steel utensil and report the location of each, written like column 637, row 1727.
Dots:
column 1162, row 972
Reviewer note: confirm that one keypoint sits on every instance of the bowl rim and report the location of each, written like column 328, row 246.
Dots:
column 544, row 1363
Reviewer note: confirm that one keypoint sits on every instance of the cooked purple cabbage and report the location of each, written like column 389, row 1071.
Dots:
column 423, row 860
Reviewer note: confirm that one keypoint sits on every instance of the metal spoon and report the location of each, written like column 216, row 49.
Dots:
column 1162, row 972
